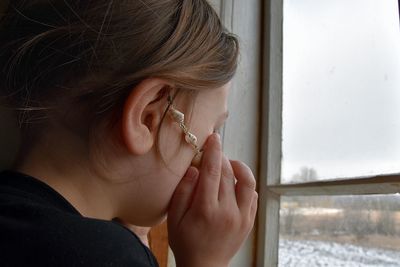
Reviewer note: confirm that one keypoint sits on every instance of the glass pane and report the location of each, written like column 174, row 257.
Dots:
column 340, row 231
column 341, row 89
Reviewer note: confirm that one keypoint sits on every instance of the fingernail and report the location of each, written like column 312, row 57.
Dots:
column 218, row 137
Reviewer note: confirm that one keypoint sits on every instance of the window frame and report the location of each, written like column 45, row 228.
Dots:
column 270, row 188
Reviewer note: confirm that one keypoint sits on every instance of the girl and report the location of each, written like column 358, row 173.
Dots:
column 117, row 101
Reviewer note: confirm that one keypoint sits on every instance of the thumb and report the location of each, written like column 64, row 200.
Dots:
column 182, row 196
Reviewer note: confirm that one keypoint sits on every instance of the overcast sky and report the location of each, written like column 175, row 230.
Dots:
column 341, row 113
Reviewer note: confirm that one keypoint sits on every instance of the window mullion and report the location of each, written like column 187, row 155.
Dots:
column 384, row 184
column 271, row 135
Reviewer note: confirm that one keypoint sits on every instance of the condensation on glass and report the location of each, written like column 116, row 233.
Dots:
column 340, row 231
column 341, row 89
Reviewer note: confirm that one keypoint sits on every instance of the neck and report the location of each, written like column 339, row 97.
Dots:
column 61, row 161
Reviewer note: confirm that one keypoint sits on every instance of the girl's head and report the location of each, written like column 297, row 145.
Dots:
column 101, row 72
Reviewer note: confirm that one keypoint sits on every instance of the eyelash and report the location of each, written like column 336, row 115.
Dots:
column 218, row 130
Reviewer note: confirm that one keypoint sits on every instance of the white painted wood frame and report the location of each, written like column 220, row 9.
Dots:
column 271, row 139
column 271, row 132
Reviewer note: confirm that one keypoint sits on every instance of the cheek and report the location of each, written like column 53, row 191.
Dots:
column 161, row 194
column 151, row 200
column 202, row 128
column 176, row 152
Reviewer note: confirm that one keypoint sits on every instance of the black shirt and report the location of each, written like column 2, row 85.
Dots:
column 38, row 227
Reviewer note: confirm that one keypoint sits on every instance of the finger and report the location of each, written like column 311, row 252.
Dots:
column 227, row 184
column 245, row 186
column 253, row 209
column 250, row 218
column 210, row 171
column 182, row 196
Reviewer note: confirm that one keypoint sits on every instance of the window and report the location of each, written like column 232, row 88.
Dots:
column 361, row 230
column 341, row 101
column 331, row 148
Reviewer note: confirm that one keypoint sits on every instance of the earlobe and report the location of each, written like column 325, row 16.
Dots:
column 142, row 114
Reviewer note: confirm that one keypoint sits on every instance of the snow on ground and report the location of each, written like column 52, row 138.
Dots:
column 305, row 253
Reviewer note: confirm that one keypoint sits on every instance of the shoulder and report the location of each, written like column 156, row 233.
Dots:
column 38, row 235
column 113, row 237
column 100, row 243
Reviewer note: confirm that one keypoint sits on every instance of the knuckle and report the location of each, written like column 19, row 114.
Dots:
column 228, row 180
column 254, row 202
column 248, row 223
column 250, row 183
column 224, row 172
column 255, row 195
column 227, row 173
column 229, row 221
column 205, row 212
column 212, row 169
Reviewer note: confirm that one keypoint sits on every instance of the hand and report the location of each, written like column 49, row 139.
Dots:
column 210, row 216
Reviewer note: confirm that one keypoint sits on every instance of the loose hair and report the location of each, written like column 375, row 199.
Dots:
column 81, row 59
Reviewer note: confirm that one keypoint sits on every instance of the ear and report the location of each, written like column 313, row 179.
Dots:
column 142, row 113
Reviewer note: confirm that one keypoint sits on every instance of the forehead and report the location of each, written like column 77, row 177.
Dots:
column 220, row 92
column 213, row 100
